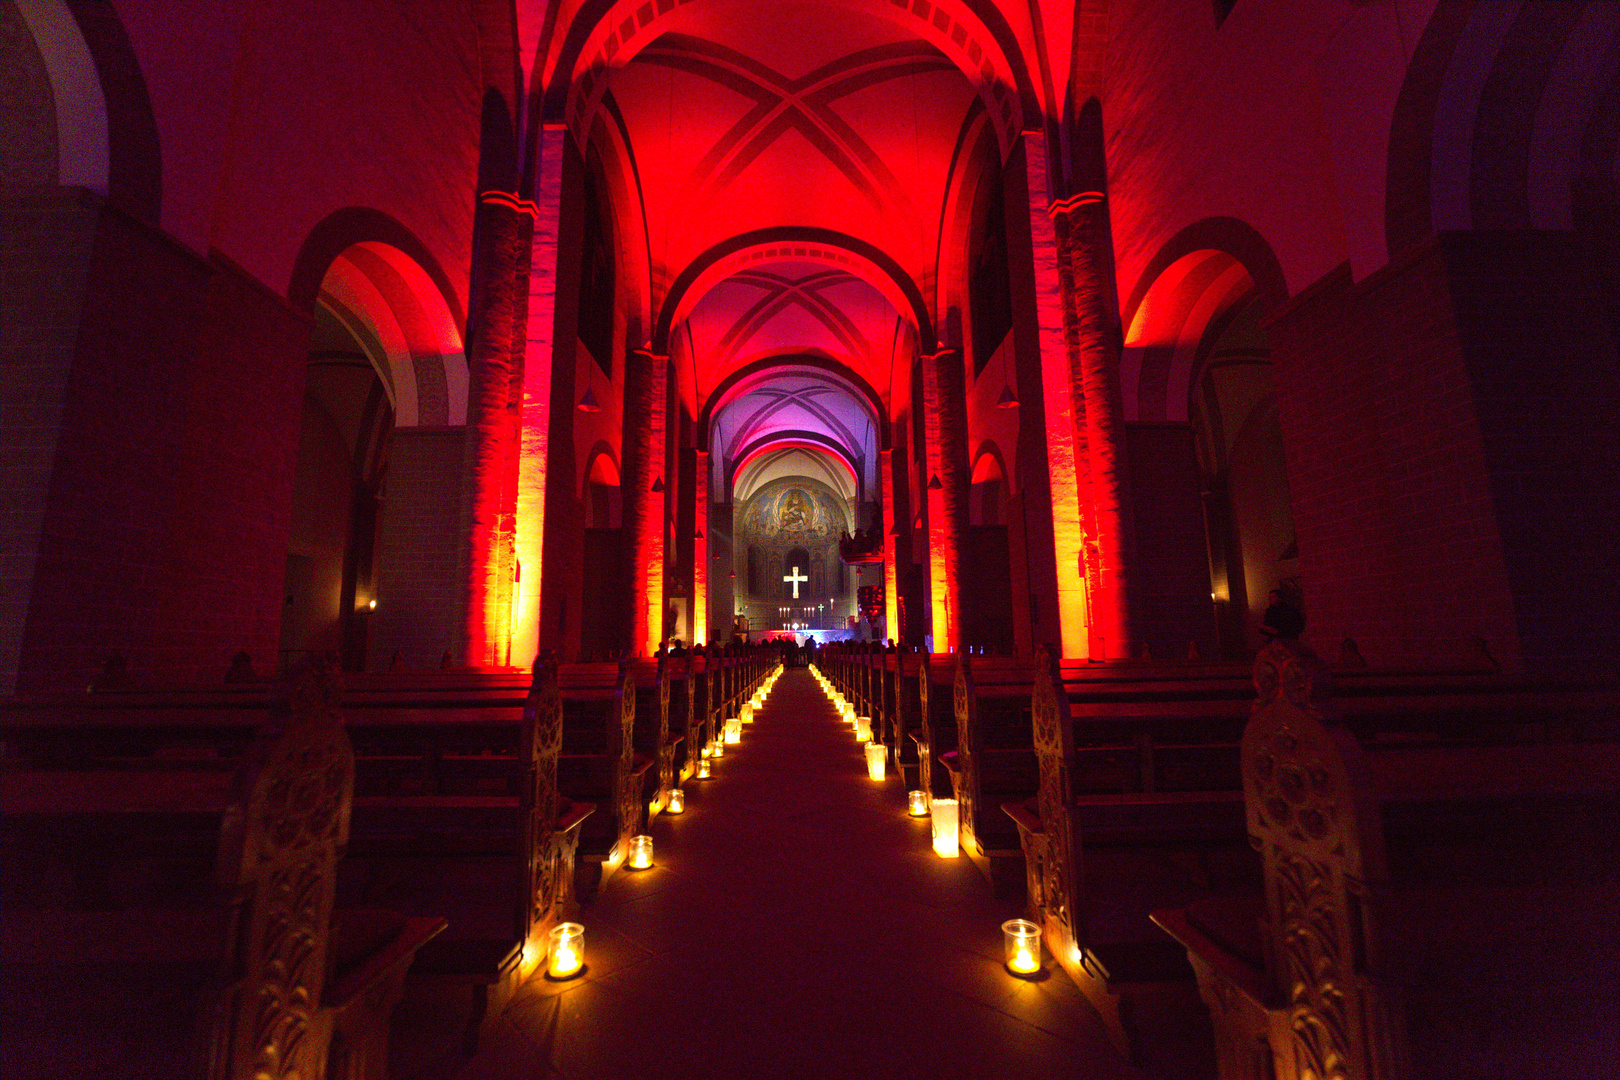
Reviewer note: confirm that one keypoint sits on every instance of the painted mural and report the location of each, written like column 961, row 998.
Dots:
column 794, row 510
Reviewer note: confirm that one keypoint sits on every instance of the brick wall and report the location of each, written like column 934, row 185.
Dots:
column 1387, row 472
column 46, row 234
column 1169, row 591
column 1541, row 358
column 418, row 545
column 164, row 536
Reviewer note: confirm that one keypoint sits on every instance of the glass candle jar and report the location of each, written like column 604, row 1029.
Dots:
column 717, row 749
column 917, row 803
column 946, row 843
column 567, row 955
column 877, row 760
column 640, row 853
column 703, row 768
column 1021, row 942
column 677, row 801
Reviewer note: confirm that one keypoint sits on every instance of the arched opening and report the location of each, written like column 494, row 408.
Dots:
column 371, row 550
column 1197, row 362
column 987, row 613
column 606, row 589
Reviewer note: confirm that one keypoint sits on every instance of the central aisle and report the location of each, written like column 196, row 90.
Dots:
column 797, row 924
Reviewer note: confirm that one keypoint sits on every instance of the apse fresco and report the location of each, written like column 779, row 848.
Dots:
column 793, row 510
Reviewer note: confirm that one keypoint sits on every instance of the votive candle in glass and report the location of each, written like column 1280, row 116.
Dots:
column 1021, row 940
column 917, row 803
column 717, row 748
column 703, row 768
column 567, row 956
column 946, row 843
column 877, row 760
column 734, row 729
column 677, row 801
column 640, row 853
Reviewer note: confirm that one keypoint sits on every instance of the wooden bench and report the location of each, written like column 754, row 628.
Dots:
column 652, row 738
column 994, row 762
column 599, row 765
column 1439, row 890
column 169, row 911
column 459, row 813
column 935, row 733
column 905, row 688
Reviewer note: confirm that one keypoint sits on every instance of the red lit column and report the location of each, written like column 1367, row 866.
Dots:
column 700, row 549
column 946, row 488
column 1081, row 225
column 1064, row 457
column 891, row 522
column 493, row 326
column 646, row 375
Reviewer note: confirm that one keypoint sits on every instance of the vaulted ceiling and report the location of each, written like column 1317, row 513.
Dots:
column 821, row 137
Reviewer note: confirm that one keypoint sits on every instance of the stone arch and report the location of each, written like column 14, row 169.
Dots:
column 1505, row 108
column 1181, row 304
column 609, row 33
column 384, row 286
column 823, row 246
column 103, row 129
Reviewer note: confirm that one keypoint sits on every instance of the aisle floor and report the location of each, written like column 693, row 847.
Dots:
column 797, row 924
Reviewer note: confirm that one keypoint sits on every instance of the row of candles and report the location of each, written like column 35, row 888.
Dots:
column 565, row 956
column 1021, row 939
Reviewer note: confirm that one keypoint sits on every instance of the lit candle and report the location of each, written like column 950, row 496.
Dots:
column 717, row 749
column 703, row 768
column 877, row 760
column 863, row 729
column 746, row 714
column 946, row 844
column 640, row 852
column 734, row 729
column 567, row 950
column 917, row 803
column 1021, row 940
column 677, row 801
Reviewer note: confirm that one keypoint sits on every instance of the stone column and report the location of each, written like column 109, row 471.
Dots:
column 700, row 549
column 1064, row 457
column 946, row 488
column 646, row 377
column 891, row 521
column 494, row 324
column 1084, row 260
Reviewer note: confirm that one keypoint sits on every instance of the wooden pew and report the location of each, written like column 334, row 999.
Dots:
column 936, row 727
column 459, row 813
column 994, row 762
column 1439, row 891
column 169, row 912
column 905, row 687
column 599, row 765
column 653, row 738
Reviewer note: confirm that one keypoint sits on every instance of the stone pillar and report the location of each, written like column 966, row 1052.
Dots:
column 700, row 549
column 549, row 262
column 891, row 521
column 1081, row 226
column 646, row 378
column 945, row 431
column 1064, row 459
column 494, row 324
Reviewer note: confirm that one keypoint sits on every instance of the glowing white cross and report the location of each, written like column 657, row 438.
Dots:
column 796, row 578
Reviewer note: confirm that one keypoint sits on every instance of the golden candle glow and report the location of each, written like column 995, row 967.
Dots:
column 717, row 749
column 567, row 953
column 641, row 852
column 1021, row 941
column 946, row 843
column 703, row 768
column 677, row 801
column 917, row 803
column 877, row 760
column 863, row 729
column 734, row 729
column 746, row 714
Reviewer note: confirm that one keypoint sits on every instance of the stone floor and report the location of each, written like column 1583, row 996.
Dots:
column 797, row 924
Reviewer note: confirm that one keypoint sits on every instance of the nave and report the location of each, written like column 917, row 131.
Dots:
column 796, row 923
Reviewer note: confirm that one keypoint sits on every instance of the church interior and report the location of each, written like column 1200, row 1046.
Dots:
column 1083, row 533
